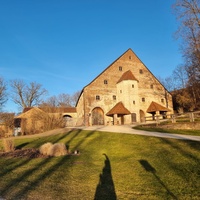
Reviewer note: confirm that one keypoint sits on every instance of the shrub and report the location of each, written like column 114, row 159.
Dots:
column 45, row 148
column 58, row 149
column 8, row 145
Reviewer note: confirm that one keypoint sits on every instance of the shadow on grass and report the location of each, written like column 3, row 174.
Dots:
column 22, row 145
column 36, row 173
column 149, row 168
column 105, row 188
column 192, row 144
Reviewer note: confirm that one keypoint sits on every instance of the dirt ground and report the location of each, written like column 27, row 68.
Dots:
column 20, row 153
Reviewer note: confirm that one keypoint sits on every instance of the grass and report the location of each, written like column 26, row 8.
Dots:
column 110, row 166
column 154, row 128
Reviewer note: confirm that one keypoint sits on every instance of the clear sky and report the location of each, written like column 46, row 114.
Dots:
column 64, row 44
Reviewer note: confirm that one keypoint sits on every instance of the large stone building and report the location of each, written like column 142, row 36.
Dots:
column 125, row 92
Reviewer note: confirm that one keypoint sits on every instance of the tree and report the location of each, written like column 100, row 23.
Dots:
column 3, row 94
column 188, row 16
column 74, row 98
column 62, row 100
column 27, row 95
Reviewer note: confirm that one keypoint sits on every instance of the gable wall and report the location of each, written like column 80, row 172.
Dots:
column 106, row 91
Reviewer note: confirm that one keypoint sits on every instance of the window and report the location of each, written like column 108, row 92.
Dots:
column 105, row 82
column 143, row 99
column 120, row 91
column 151, row 86
column 134, row 102
column 141, row 71
column 162, row 100
column 132, row 86
column 97, row 97
column 130, row 57
column 114, row 97
column 120, row 68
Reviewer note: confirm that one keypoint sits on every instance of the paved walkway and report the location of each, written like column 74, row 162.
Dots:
column 129, row 130
column 116, row 129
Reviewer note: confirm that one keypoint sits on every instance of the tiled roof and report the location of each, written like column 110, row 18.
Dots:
column 156, row 107
column 118, row 109
column 127, row 76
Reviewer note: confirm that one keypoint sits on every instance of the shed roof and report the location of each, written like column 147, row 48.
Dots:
column 119, row 108
column 156, row 107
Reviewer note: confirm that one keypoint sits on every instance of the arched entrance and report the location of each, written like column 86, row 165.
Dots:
column 68, row 120
column 97, row 116
column 142, row 116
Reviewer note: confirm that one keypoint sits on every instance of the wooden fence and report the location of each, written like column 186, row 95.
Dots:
column 182, row 117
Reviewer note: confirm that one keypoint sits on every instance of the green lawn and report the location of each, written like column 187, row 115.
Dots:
column 110, row 166
column 154, row 128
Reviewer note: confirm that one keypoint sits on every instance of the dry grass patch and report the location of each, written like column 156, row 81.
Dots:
column 8, row 145
column 49, row 149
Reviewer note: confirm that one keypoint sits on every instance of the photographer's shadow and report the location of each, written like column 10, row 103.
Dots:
column 105, row 188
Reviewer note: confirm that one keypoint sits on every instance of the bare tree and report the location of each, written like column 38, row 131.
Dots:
column 74, row 98
column 50, row 102
column 27, row 95
column 3, row 94
column 168, row 83
column 188, row 16
column 180, row 77
column 62, row 100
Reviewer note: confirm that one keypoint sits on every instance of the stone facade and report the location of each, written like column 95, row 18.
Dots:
column 126, row 80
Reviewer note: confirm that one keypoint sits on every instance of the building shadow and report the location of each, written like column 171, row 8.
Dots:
column 105, row 189
column 147, row 166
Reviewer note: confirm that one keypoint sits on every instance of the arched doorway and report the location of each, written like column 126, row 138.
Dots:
column 142, row 116
column 68, row 120
column 97, row 116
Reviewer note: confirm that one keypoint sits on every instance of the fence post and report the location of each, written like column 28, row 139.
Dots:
column 191, row 117
column 173, row 118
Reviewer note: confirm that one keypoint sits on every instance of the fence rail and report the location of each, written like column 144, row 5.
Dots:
column 180, row 117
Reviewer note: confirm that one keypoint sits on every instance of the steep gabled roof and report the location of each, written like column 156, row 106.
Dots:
column 128, row 75
column 156, row 107
column 119, row 108
column 136, row 58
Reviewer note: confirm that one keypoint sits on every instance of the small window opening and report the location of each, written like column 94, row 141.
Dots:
column 141, row 71
column 105, row 81
column 114, row 97
column 120, row 68
column 143, row 99
column 132, row 85
column 97, row 97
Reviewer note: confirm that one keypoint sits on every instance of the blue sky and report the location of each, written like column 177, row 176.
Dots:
column 64, row 44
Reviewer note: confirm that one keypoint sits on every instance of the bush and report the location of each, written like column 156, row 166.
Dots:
column 58, row 149
column 45, row 148
column 8, row 145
